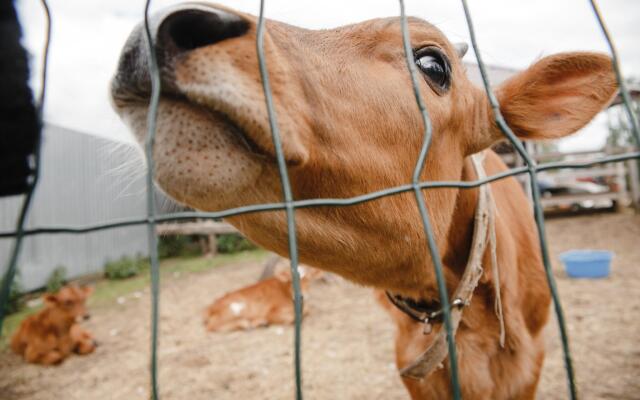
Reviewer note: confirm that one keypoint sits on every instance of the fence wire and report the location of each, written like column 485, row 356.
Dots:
column 288, row 201
column 422, row 207
column 19, row 233
column 151, row 204
column 289, row 204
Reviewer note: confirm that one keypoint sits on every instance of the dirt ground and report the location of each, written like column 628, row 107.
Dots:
column 347, row 338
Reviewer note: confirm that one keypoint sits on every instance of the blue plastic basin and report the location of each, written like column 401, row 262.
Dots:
column 587, row 263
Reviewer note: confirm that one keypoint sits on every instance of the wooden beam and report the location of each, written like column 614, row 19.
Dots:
column 587, row 173
column 583, row 155
column 577, row 198
column 195, row 228
column 634, row 182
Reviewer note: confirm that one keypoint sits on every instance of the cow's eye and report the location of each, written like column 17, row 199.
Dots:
column 435, row 68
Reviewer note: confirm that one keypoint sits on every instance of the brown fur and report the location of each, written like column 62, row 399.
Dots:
column 268, row 302
column 49, row 336
column 349, row 125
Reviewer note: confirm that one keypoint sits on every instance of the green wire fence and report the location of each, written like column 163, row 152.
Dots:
column 289, row 204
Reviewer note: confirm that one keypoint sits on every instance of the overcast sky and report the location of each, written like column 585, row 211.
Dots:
column 88, row 35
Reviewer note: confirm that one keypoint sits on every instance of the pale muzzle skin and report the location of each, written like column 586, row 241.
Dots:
column 349, row 125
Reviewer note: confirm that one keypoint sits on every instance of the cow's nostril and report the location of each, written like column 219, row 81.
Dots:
column 191, row 29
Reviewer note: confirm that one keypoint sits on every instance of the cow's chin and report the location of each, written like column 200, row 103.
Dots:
column 201, row 159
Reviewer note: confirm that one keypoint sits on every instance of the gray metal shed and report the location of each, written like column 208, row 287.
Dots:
column 84, row 180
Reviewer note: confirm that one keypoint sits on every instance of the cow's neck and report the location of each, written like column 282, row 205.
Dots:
column 460, row 232
column 457, row 251
column 59, row 320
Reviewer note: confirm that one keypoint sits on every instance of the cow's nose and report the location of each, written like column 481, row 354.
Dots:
column 174, row 31
column 189, row 29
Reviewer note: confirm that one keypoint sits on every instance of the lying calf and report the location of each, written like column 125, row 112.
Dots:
column 264, row 303
column 49, row 336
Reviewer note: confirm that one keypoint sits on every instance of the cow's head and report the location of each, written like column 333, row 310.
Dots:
column 70, row 302
column 349, row 125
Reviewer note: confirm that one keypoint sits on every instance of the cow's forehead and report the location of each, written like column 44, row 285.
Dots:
column 70, row 293
column 380, row 32
column 419, row 29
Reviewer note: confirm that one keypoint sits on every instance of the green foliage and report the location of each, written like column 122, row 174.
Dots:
column 15, row 301
column 57, row 279
column 189, row 246
column 233, row 243
column 125, row 267
column 620, row 130
column 178, row 246
column 620, row 134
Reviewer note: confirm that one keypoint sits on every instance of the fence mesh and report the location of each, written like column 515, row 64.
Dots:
column 289, row 204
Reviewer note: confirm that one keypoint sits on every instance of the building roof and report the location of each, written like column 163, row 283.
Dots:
column 496, row 73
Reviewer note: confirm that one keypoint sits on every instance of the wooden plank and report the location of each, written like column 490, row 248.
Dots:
column 587, row 155
column 577, row 198
column 634, row 182
column 586, row 173
column 195, row 228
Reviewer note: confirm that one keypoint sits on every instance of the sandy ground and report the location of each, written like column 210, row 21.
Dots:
column 347, row 339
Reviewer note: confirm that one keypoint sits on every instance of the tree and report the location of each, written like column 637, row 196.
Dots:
column 620, row 134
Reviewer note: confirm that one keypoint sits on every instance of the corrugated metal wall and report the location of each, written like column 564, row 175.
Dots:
column 84, row 180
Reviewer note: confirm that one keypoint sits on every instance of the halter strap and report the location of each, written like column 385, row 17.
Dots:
column 483, row 233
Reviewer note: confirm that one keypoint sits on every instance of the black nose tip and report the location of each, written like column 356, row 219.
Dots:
column 86, row 316
column 190, row 29
column 180, row 29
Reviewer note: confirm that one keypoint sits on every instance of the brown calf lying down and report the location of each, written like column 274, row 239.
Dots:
column 349, row 125
column 268, row 302
column 49, row 336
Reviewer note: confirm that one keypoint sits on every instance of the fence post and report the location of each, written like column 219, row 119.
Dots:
column 527, row 178
column 634, row 183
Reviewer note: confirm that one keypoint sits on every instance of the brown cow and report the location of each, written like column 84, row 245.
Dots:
column 49, row 336
column 268, row 302
column 349, row 125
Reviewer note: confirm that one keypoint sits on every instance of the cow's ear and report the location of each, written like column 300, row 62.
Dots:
column 552, row 98
column 557, row 95
column 283, row 276
column 88, row 290
column 50, row 299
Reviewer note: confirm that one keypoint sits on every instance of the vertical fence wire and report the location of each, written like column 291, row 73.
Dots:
column 12, row 268
column 626, row 99
column 152, row 115
column 288, row 200
column 422, row 207
column 537, row 207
